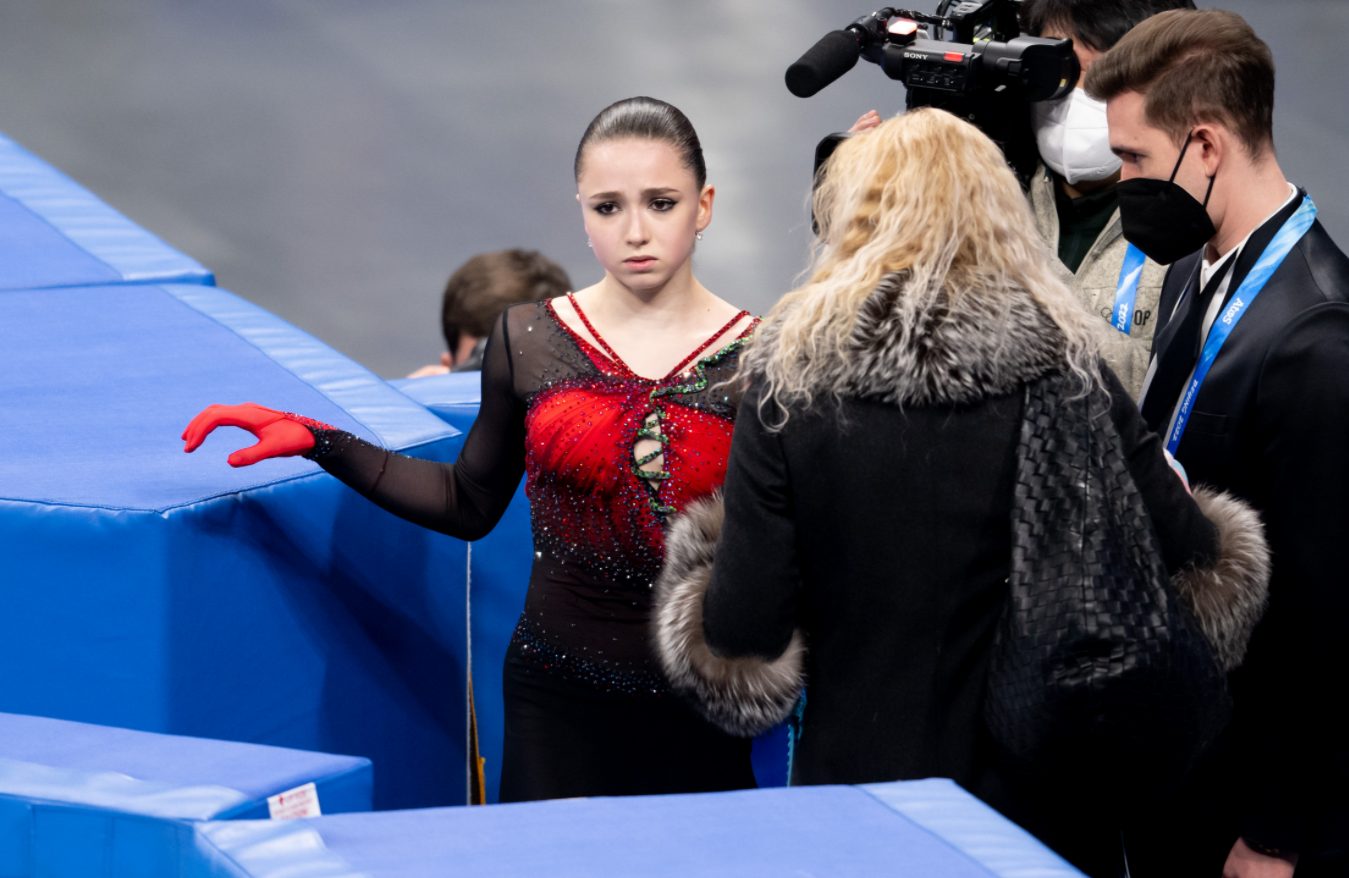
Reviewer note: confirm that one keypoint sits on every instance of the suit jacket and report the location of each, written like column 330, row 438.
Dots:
column 1271, row 425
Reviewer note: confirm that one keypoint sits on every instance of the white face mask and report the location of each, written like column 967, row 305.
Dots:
column 1072, row 137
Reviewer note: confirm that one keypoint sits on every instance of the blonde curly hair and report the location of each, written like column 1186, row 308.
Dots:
column 929, row 195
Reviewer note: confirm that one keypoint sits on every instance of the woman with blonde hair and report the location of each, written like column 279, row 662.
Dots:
column 866, row 542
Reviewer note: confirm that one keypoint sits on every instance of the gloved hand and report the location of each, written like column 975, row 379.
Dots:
column 280, row 434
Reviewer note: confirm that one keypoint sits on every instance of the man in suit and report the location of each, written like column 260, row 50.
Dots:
column 1249, row 385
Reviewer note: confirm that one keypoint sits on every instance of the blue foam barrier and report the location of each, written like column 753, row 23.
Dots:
column 165, row 592
column 929, row 827
column 454, row 398
column 55, row 233
column 85, row 800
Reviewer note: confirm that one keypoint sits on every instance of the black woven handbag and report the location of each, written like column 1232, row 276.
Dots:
column 1099, row 672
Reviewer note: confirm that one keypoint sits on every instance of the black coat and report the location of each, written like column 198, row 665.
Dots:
column 884, row 534
column 1271, row 425
column 876, row 535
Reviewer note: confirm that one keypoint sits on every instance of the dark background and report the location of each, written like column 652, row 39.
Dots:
column 333, row 161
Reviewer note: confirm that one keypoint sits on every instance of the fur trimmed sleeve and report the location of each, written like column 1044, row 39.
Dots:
column 1228, row 596
column 741, row 695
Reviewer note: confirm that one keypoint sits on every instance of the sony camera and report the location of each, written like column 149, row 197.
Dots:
column 968, row 58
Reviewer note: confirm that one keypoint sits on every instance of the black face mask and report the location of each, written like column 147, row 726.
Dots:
column 1162, row 219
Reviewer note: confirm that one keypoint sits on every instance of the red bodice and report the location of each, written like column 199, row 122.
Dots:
column 608, row 457
column 594, row 502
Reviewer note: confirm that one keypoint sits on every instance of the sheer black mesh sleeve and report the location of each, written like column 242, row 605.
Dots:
column 464, row 499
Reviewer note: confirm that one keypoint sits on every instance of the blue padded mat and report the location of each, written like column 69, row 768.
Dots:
column 154, row 590
column 918, row 828
column 81, row 800
column 54, row 233
column 99, row 383
column 455, row 398
column 172, row 762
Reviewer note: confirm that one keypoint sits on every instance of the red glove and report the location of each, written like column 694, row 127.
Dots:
column 280, row 434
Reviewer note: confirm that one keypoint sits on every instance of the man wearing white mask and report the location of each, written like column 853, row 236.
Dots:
column 1072, row 191
column 1073, row 194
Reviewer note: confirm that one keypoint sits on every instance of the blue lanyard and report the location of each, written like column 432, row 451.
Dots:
column 1269, row 262
column 1126, row 289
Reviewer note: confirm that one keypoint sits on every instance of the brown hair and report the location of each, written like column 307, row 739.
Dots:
column 489, row 283
column 646, row 118
column 1194, row 66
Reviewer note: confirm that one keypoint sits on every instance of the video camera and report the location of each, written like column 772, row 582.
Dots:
column 968, row 58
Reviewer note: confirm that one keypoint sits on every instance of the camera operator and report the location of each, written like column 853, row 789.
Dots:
column 1072, row 191
column 1073, row 194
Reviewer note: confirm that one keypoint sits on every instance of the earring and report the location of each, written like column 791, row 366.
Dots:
column 699, row 236
column 590, row 244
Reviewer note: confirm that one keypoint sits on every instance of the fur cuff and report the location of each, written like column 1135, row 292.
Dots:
column 1228, row 596
column 743, row 696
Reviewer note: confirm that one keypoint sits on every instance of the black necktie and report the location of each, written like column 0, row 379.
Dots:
column 1179, row 351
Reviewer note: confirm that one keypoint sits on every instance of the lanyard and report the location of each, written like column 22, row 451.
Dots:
column 1287, row 237
column 1126, row 289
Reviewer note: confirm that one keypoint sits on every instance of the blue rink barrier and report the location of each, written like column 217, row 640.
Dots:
column 54, row 233
column 916, row 828
column 498, row 578
column 83, row 801
column 153, row 590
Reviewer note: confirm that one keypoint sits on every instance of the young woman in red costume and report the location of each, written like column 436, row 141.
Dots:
column 610, row 403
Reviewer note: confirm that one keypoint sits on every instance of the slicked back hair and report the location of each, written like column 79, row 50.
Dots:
column 646, row 118
column 1193, row 67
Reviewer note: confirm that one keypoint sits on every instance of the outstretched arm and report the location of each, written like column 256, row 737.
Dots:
column 464, row 499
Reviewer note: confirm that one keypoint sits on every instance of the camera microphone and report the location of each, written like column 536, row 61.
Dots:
column 834, row 55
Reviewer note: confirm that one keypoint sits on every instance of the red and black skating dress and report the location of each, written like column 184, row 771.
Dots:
column 608, row 457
